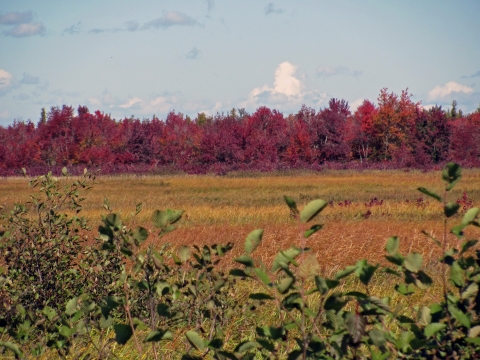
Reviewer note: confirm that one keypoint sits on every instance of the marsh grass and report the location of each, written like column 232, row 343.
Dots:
column 223, row 209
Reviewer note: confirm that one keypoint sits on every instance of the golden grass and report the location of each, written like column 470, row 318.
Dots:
column 222, row 209
column 226, row 209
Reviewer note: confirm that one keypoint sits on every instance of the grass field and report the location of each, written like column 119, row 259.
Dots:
column 365, row 209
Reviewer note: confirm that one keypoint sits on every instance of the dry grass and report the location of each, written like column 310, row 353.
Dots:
column 222, row 209
column 226, row 209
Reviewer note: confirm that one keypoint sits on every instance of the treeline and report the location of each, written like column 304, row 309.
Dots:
column 396, row 132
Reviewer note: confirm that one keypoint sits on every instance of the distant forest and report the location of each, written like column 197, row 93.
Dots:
column 394, row 133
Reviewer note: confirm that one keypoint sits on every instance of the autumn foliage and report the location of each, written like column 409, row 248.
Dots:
column 396, row 132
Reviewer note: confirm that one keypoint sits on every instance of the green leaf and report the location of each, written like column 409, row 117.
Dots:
column 184, row 253
column 113, row 220
column 365, row 271
column 425, row 316
column 451, row 208
column 413, row 262
column 378, row 337
column 253, row 240
column 433, row 328
column 285, row 257
column 379, row 303
column 312, row 230
column 71, row 307
column 321, row 285
column 470, row 216
column 459, row 315
column 393, row 244
column 475, row 341
column 64, row 171
column 456, row 274
column 404, row 289
column 245, row 346
column 245, row 260
column 291, row 204
column 49, row 312
column 159, row 218
column 430, row 193
column 345, row 272
column 65, row 331
column 451, row 174
column 123, row 333
column 467, row 245
column 140, row 234
column 158, row 335
column 471, row 291
column 195, row 340
column 239, row 272
column 356, row 326
column 396, row 259
column 260, row 296
column 284, row 285
column 312, row 209
column 13, row 348
column 262, row 275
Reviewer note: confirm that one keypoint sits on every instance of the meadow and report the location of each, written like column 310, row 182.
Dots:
column 365, row 208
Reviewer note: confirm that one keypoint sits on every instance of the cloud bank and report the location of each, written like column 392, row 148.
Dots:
column 442, row 92
column 24, row 24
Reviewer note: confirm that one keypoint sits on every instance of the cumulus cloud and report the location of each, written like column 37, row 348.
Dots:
column 287, row 92
column 441, row 92
column 355, row 104
column 30, row 79
column 272, row 9
column 16, row 17
column 134, row 102
column 72, row 30
column 328, row 71
column 471, row 76
column 28, row 29
column 171, row 18
column 194, row 54
column 7, row 82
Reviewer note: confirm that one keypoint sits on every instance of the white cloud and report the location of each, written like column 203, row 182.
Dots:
column 285, row 80
column 194, row 54
column 272, row 9
column 327, row 71
column 132, row 102
column 16, row 17
column 170, row 18
column 28, row 29
column 355, row 104
column 7, row 82
column 442, row 91
column 287, row 92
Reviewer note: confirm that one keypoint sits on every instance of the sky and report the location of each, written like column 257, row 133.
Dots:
column 150, row 57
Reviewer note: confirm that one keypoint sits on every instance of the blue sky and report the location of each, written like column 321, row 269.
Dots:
column 149, row 57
